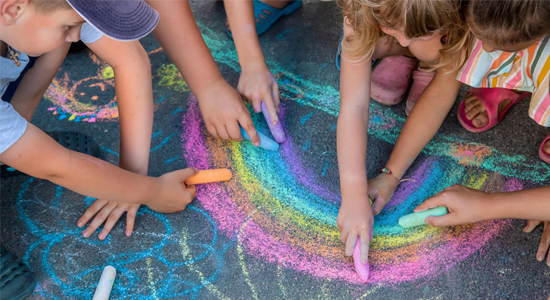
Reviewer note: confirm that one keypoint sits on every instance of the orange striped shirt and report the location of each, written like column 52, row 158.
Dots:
column 526, row 70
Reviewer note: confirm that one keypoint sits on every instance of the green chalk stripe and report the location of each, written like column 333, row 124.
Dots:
column 417, row 219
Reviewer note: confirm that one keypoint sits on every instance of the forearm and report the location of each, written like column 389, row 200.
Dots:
column 179, row 36
column 135, row 108
column 531, row 204
column 240, row 14
column 353, row 123
column 38, row 155
column 37, row 80
column 134, row 93
column 424, row 121
column 352, row 149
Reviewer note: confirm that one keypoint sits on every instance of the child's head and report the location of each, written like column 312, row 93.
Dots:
column 36, row 27
column 508, row 25
column 433, row 30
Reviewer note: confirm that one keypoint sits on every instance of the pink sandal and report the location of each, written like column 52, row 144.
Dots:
column 391, row 79
column 421, row 79
column 545, row 157
column 490, row 98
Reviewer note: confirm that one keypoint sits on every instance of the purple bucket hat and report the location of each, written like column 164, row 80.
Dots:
column 124, row 20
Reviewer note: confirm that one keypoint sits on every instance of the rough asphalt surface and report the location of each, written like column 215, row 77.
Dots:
column 188, row 256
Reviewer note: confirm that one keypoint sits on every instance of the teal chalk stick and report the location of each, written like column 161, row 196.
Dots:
column 265, row 142
column 419, row 218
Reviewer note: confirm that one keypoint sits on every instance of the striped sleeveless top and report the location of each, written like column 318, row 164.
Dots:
column 526, row 70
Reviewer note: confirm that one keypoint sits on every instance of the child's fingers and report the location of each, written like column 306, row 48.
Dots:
column 99, row 219
column 183, row 174
column 213, row 132
column 248, row 126
column 268, row 100
column 544, row 243
column 432, row 202
column 234, row 131
column 350, row 243
column 131, row 218
column 91, row 211
column 365, row 241
column 275, row 95
column 191, row 189
column 379, row 202
column 111, row 220
column 445, row 220
column 256, row 103
column 222, row 132
column 531, row 224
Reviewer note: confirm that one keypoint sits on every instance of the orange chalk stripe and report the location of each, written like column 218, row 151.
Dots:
column 208, row 176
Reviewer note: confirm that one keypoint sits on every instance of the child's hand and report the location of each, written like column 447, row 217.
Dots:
column 172, row 195
column 356, row 220
column 257, row 85
column 465, row 206
column 108, row 213
column 380, row 190
column 223, row 110
column 544, row 240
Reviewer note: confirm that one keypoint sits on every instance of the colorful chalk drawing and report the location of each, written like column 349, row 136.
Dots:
column 89, row 99
column 276, row 210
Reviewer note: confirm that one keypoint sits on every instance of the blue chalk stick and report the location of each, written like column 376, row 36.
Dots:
column 265, row 142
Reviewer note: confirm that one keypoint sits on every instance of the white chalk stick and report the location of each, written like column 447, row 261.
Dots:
column 103, row 290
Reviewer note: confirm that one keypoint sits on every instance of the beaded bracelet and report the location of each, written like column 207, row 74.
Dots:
column 389, row 172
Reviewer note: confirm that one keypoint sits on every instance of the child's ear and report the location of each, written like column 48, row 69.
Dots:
column 11, row 10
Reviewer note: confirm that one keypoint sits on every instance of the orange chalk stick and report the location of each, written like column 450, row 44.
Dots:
column 208, row 176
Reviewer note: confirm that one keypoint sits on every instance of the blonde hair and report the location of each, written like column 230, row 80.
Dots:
column 45, row 6
column 416, row 18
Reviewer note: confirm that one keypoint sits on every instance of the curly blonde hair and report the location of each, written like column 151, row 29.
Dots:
column 416, row 18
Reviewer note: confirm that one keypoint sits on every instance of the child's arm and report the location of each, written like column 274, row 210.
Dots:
column 256, row 83
column 134, row 93
column 38, row 155
column 36, row 81
column 423, row 123
column 221, row 106
column 355, row 217
column 468, row 206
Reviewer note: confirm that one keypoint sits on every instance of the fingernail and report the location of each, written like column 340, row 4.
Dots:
column 79, row 224
column 85, row 234
column 101, row 236
column 540, row 258
column 128, row 233
column 257, row 144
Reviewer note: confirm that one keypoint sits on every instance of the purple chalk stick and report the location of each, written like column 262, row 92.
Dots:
column 276, row 130
column 363, row 271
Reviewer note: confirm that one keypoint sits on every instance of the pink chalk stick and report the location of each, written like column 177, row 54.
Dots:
column 276, row 130
column 363, row 271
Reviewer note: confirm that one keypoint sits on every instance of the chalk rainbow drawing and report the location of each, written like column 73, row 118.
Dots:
column 284, row 214
column 276, row 209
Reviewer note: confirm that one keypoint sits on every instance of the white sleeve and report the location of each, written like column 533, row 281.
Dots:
column 12, row 126
column 88, row 34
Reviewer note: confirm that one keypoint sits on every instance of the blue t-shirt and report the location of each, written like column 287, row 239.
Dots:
column 12, row 125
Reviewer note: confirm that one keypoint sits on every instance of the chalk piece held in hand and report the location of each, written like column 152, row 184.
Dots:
column 265, row 142
column 276, row 130
column 363, row 271
column 103, row 290
column 419, row 218
column 208, row 176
